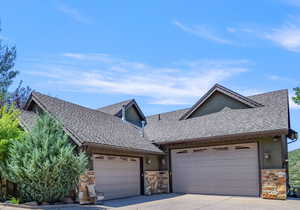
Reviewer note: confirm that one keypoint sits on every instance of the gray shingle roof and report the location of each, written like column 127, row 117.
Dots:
column 270, row 117
column 91, row 126
column 95, row 126
column 114, row 109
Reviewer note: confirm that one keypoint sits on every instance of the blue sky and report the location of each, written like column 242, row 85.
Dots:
column 165, row 54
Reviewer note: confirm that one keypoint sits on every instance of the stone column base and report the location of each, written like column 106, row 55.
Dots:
column 274, row 184
column 86, row 194
column 156, row 182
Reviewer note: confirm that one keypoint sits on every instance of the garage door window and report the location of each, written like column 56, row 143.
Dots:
column 182, row 152
column 199, row 150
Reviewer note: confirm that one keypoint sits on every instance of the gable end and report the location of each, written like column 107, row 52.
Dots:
column 218, row 98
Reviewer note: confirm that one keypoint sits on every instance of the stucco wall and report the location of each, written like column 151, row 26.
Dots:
column 151, row 163
column 271, row 147
column 216, row 103
column 133, row 116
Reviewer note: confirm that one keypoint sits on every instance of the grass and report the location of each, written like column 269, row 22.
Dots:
column 294, row 167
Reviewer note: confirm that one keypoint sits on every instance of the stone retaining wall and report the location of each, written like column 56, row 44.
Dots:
column 274, row 184
column 156, row 182
column 87, row 183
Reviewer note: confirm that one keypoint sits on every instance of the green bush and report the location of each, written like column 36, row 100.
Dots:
column 14, row 200
column 44, row 164
column 294, row 167
column 9, row 129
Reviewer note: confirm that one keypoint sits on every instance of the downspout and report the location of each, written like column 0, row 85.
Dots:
column 143, row 128
column 123, row 113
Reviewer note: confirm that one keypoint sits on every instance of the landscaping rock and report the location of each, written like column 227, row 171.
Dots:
column 33, row 203
column 45, row 203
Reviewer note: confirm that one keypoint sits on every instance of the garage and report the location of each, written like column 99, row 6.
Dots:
column 117, row 176
column 221, row 170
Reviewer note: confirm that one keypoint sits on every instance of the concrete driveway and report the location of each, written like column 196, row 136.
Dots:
column 185, row 202
column 193, row 202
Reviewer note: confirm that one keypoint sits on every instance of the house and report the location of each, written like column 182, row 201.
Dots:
column 225, row 144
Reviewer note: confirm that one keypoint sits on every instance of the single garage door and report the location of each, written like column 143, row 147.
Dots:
column 224, row 170
column 116, row 176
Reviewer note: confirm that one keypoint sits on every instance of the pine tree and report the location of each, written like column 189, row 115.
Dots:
column 18, row 97
column 44, row 164
column 7, row 73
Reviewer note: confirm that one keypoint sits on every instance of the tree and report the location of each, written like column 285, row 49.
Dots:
column 7, row 63
column 44, row 165
column 296, row 98
column 19, row 97
column 7, row 75
column 9, row 131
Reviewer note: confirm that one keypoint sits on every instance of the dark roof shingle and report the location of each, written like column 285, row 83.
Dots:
column 102, row 127
column 114, row 109
column 92, row 126
column 270, row 117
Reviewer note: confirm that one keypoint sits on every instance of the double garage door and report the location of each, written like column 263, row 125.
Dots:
column 224, row 170
column 116, row 176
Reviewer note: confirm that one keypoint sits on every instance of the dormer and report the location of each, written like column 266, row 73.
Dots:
column 128, row 111
column 217, row 99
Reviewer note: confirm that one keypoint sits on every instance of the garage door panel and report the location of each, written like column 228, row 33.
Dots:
column 231, row 170
column 117, row 176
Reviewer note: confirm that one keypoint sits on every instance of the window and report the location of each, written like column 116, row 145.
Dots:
column 124, row 158
column 199, row 150
column 241, row 147
column 182, row 152
column 221, row 148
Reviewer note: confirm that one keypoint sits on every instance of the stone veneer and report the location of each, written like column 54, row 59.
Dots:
column 273, row 183
column 156, row 182
column 87, row 183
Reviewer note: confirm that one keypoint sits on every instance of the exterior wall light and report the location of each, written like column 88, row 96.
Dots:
column 267, row 156
column 148, row 161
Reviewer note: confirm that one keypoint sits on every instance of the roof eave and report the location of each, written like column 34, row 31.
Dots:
column 229, row 137
column 118, row 148
column 44, row 108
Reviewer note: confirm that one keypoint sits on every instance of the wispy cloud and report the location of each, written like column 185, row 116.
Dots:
column 3, row 37
column 203, row 32
column 287, row 37
column 75, row 14
column 180, row 83
column 280, row 78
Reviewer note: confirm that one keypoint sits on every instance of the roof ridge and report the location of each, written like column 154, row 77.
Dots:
column 168, row 112
column 121, row 102
column 273, row 91
column 78, row 105
column 34, row 92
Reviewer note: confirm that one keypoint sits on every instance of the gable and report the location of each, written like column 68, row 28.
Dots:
column 34, row 107
column 217, row 102
column 218, row 98
column 132, row 115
